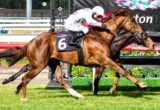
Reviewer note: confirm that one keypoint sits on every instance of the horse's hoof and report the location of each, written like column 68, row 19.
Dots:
column 81, row 97
column 112, row 91
column 142, row 85
column 16, row 92
column 24, row 99
column 95, row 93
column 146, row 89
column 5, row 81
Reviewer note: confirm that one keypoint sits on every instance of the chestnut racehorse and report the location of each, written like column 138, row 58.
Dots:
column 96, row 51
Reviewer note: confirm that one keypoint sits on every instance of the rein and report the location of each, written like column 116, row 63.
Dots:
column 114, row 34
column 94, row 35
column 97, row 36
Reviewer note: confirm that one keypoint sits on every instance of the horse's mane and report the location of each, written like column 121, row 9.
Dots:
column 120, row 12
column 116, row 12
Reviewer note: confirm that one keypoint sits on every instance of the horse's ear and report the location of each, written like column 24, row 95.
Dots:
column 123, row 11
column 114, row 12
column 126, row 12
column 120, row 11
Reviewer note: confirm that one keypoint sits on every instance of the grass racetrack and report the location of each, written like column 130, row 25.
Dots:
column 40, row 98
column 123, row 85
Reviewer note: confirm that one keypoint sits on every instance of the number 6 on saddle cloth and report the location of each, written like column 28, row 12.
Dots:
column 62, row 42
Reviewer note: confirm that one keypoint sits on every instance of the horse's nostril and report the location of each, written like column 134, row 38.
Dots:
column 154, row 46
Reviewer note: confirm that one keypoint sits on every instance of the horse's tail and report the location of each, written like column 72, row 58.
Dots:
column 13, row 55
column 8, row 53
column 19, row 54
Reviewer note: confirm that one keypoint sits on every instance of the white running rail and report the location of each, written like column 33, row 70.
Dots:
column 34, row 26
column 43, row 24
column 19, row 38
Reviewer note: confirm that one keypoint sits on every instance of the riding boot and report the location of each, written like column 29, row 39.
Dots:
column 75, row 38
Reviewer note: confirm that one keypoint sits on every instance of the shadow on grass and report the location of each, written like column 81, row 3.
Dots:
column 57, row 96
column 120, row 88
column 138, row 94
column 131, row 94
column 127, row 91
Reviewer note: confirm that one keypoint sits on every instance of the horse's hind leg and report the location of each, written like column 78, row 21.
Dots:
column 34, row 71
column 60, row 80
column 56, row 68
column 16, row 75
column 52, row 64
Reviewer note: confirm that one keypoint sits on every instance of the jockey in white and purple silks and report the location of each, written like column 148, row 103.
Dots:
column 74, row 22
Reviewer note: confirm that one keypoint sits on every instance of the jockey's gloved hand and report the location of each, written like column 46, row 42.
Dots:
column 104, row 26
column 81, row 33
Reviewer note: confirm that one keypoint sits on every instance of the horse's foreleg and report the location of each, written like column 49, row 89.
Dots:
column 115, row 83
column 97, row 73
column 60, row 80
column 111, row 64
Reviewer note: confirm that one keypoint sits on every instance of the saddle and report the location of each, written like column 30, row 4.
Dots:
column 75, row 39
column 63, row 41
column 62, row 44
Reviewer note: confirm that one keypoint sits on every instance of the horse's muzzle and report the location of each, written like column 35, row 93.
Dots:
column 150, row 43
column 154, row 46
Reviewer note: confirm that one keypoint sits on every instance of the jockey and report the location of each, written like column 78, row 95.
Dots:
column 74, row 23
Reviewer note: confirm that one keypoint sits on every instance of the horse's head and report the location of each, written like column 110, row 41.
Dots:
column 142, row 38
column 122, row 20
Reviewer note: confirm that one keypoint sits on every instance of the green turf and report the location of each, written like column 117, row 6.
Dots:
column 124, row 84
column 41, row 99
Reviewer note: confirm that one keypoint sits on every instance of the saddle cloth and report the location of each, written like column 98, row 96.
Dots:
column 63, row 38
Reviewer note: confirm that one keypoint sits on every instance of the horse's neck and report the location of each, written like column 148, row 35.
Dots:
column 101, row 34
column 120, row 42
column 115, row 21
